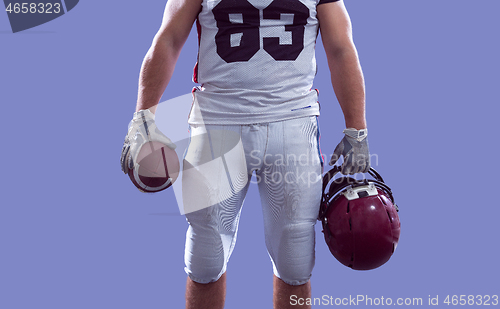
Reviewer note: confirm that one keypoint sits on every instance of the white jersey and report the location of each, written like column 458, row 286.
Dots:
column 256, row 61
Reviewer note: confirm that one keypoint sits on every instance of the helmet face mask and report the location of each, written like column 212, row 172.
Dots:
column 360, row 220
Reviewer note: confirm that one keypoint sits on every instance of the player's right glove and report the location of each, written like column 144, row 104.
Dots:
column 354, row 148
column 141, row 129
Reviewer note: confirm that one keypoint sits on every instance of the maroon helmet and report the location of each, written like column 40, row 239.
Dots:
column 360, row 220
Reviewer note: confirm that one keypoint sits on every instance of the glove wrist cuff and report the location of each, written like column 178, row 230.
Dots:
column 359, row 135
column 146, row 113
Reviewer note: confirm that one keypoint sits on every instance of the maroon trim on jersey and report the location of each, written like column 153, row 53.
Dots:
column 195, row 70
column 326, row 1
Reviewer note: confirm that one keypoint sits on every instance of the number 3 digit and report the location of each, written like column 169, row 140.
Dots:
column 300, row 14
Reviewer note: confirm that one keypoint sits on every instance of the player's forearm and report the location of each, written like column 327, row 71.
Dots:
column 156, row 71
column 349, row 86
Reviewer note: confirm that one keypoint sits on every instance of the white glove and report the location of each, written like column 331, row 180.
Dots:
column 141, row 129
column 354, row 148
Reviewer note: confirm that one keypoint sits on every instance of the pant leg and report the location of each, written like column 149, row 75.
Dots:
column 290, row 189
column 215, row 182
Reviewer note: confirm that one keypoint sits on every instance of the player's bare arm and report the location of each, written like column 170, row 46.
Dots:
column 157, row 69
column 159, row 63
column 346, row 74
column 349, row 86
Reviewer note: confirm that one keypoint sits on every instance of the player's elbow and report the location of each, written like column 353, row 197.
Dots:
column 339, row 47
column 164, row 40
column 341, row 52
column 166, row 44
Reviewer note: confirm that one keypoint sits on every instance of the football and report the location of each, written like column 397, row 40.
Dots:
column 156, row 169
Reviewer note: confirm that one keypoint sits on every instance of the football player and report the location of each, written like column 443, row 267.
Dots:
column 255, row 111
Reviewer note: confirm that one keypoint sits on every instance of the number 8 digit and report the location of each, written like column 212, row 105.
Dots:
column 247, row 29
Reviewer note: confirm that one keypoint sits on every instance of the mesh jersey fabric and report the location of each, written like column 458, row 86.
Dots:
column 256, row 61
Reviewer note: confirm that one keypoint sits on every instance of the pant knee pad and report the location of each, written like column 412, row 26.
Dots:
column 293, row 254
column 206, row 254
column 206, row 275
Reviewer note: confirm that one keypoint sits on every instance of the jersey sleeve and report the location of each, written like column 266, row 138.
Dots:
column 326, row 1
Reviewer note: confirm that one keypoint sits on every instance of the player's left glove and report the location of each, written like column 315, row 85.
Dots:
column 141, row 129
column 354, row 148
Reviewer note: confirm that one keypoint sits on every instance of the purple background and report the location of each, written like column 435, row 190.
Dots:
column 75, row 233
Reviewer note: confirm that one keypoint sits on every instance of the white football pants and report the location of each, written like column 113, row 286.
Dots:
column 218, row 168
